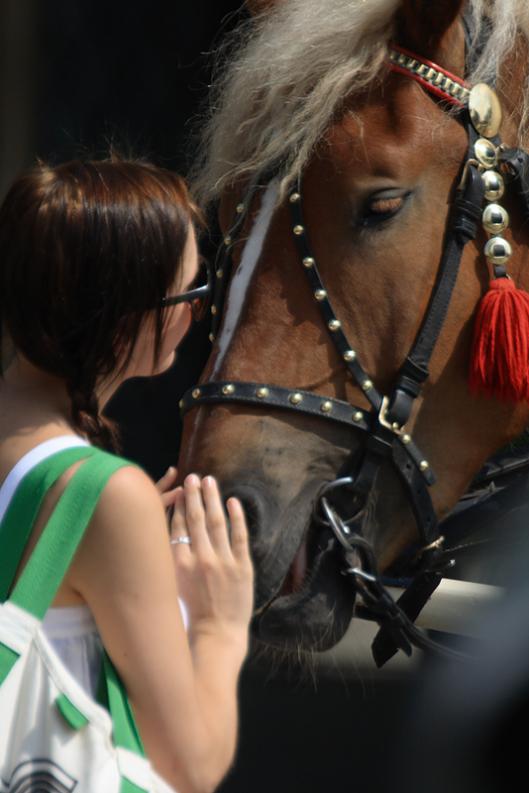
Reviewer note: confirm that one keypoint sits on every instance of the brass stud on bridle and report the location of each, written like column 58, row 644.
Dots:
column 296, row 398
column 262, row 393
column 196, row 393
column 494, row 185
column 334, row 325
column 326, row 407
column 486, row 153
column 349, row 355
column 358, row 416
column 320, row 294
column 498, row 250
column 228, row 389
column 308, row 262
column 495, row 219
column 294, row 198
column 367, row 385
column 298, row 230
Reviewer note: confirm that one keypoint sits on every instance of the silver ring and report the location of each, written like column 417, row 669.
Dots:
column 185, row 540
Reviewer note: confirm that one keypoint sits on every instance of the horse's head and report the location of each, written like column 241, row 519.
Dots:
column 381, row 160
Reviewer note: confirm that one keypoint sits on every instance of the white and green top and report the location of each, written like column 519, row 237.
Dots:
column 71, row 631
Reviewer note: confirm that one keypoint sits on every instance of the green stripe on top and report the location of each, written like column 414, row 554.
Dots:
column 17, row 524
column 55, row 549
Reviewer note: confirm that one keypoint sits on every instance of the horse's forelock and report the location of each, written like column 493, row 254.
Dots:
column 283, row 75
column 281, row 78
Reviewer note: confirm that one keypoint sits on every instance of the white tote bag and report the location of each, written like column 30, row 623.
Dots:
column 53, row 737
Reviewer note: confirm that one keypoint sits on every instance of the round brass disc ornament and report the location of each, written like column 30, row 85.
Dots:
column 495, row 219
column 485, row 110
column 486, row 153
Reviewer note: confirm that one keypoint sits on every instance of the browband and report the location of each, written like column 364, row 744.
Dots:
column 434, row 78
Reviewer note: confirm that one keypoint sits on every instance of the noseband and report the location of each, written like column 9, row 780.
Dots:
column 384, row 424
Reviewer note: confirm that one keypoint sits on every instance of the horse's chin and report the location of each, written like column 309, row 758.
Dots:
column 316, row 615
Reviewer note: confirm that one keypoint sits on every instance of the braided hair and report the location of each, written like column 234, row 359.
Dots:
column 87, row 419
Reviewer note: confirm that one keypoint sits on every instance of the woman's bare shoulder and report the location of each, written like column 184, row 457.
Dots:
column 129, row 497
column 129, row 524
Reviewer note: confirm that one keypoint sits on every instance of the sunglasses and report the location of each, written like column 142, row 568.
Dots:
column 199, row 297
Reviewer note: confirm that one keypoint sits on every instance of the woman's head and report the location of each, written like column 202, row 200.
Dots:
column 88, row 251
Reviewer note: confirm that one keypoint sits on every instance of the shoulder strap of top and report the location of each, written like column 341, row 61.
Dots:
column 24, row 505
column 49, row 562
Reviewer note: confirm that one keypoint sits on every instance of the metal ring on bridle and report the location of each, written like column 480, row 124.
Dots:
column 328, row 487
column 349, row 540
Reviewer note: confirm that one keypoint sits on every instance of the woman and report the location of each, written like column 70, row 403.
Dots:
column 97, row 261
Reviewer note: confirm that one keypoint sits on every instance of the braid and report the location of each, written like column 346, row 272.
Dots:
column 86, row 418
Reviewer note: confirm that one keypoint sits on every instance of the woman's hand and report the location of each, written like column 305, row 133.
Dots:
column 214, row 569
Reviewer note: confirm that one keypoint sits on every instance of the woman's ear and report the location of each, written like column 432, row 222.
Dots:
column 422, row 24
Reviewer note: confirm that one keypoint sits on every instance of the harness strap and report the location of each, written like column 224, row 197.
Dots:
column 463, row 227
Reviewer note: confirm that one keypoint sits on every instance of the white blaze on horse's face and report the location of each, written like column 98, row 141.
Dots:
column 241, row 280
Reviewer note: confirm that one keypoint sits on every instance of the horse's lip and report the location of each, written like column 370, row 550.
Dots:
column 317, row 616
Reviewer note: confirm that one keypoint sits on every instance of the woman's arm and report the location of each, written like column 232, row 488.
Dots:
column 183, row 692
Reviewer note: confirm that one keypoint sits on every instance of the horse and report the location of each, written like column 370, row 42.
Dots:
column 340, row 159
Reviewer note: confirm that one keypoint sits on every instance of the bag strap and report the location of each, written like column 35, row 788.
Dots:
column 42, row 576
column 126, row 733
column 18, row 521
column 45, row 570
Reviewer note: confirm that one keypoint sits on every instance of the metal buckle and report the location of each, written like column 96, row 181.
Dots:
column 395, row 428
column 464, row 176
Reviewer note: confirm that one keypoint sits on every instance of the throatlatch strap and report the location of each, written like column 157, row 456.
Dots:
column 17, row 524
column 47, row 566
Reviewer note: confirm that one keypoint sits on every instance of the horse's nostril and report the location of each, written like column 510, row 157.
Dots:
column 253, row 505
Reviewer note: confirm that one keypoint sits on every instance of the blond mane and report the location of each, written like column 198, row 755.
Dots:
column 283, row 75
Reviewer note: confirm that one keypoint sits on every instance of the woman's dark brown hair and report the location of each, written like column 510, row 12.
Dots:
column 86, row 250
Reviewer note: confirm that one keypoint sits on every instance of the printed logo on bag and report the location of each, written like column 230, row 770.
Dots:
column 38, row 776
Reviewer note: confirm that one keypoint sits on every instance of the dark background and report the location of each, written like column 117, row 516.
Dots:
column 75, row 77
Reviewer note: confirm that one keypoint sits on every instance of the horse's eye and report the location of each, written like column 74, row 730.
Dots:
column 382, row 207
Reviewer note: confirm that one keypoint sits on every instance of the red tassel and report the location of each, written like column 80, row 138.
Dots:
column 499, row 365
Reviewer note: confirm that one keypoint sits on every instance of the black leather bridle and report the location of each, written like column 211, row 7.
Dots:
column 384, row 425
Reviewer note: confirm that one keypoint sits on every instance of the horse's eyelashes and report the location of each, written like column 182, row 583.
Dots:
column 381, row 208
column 386, row 206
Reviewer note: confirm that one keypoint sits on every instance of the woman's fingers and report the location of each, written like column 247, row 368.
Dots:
column 167, row 480
column 178, row 520
column 165, row 484
column 215, row 516
column 239, row 530
column 196, row 514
